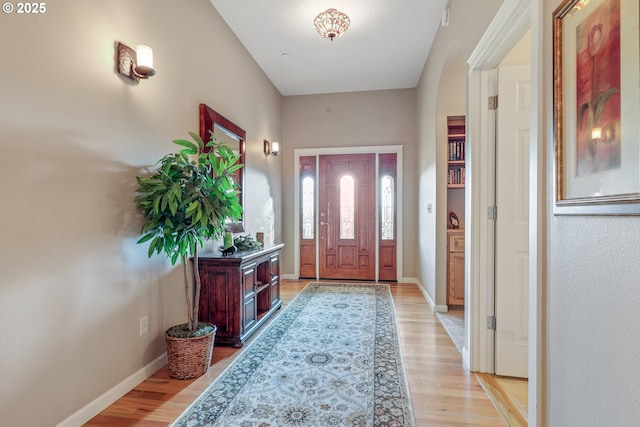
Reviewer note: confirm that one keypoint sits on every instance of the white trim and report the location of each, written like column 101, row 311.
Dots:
column 434, row 307
column 466, row 358
column 511, row 22
column 377, row 218
column 422, row 290
column 508, row 26
column 96, row 406
column 537, row 218
column 442, row 308
column 428, row 298
column 479, row 231
column 381, row 149
column 399, row 222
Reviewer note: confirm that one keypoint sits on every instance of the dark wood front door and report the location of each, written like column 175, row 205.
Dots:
column 347, row 210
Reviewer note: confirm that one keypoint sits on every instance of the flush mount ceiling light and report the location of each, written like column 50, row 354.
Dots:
column 331, row 23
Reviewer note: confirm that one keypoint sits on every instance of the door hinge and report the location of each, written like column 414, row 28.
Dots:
column 493, row 102
column 491, row 322
column 492, row 212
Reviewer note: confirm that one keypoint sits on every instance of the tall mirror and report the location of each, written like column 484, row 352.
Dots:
column 234, row 136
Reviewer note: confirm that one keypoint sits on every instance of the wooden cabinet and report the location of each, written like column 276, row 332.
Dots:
column 456, row 179
column 239, row 292
column 456, row 157
column 455, row 268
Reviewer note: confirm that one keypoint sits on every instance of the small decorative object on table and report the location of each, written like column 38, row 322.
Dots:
column 453, row 220
column 228, row 240
column 246, row 243
column 228, row 248
column 229, row 251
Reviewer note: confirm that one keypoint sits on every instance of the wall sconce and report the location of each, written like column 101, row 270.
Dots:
column 136, row 64
column 271, row 148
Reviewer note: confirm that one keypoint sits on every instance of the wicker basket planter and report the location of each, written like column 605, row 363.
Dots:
column 189, row 357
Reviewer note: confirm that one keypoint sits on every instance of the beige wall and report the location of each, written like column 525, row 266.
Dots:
column 593, row 290
column 73, row 282
column 353, row 119
column 441, row 92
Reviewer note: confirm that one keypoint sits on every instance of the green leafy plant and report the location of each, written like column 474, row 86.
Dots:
column 185, row 201
column 246, row 243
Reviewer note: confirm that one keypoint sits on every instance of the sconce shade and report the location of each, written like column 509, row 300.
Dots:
column 144, row 61
column 136, row 64
column 331, row 23
column 271, row 148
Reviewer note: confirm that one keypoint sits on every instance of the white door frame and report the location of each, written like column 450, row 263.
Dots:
column 511, row 22
column 300, row 152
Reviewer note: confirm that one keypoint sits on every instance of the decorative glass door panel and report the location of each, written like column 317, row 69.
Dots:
column 308, row 220
column 347, row 216
column 387, row 245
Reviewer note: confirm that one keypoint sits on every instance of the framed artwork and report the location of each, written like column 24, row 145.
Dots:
column 596, row 55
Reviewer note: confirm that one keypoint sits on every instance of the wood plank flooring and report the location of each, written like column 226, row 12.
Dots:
column 509, row 395
column 443, row 393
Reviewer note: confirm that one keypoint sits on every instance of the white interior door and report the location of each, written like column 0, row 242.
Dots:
column 512, row 224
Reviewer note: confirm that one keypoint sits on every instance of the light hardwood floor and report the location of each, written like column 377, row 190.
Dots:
column 509, row 395
column 443, row 393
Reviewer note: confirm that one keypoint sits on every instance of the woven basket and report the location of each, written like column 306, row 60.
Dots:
column 189, row 357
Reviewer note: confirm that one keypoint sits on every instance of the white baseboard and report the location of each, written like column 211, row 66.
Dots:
column 423, row 291
column 288, row 277
column 466, row 360
column 425, row 294
column 93, row 408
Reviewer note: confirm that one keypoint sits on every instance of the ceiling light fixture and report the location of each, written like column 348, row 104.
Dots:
column 331, row 23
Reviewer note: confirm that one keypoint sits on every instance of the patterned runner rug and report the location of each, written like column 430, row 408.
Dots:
column 331, row 358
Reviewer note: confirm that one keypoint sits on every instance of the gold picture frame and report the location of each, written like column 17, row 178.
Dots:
column 596, row 67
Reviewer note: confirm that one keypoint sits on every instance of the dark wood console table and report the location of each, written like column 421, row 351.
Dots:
column 239, row 292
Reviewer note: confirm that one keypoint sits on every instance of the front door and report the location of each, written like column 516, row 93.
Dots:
column 347, row 209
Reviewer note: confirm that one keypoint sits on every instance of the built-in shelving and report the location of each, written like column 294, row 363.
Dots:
column 456, row 157
column 456, row 181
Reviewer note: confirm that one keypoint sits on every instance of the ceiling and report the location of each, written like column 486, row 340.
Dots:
column 385, row 47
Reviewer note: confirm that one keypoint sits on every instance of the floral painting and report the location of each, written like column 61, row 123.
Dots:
column 598, row 91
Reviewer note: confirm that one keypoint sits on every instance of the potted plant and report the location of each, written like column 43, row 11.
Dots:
column 185, row 201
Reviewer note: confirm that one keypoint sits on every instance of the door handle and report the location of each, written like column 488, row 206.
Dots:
column 324, row 223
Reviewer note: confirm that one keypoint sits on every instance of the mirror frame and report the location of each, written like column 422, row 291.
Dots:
column 209, row 119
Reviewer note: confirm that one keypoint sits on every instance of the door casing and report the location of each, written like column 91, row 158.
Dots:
column 511, row 22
